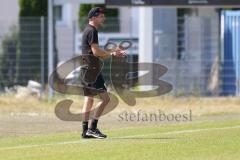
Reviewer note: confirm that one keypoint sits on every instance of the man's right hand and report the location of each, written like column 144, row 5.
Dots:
column 119, row 53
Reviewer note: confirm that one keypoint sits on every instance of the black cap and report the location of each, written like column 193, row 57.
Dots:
column 94, row 12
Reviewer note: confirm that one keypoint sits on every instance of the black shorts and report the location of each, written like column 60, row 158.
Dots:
column 94, row 88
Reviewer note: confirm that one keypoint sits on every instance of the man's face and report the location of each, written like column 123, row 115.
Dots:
column 99, row 20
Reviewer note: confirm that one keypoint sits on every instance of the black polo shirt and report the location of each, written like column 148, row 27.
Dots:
column 89, row 36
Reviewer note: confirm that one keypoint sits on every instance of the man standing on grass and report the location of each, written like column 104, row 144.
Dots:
column 90, row 47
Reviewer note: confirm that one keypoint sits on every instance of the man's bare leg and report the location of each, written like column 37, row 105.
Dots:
column 99, row 110
column 102, row 104
column 88, row 103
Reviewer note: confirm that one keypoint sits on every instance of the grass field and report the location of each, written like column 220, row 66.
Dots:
column 198, row 141
column 212, row 135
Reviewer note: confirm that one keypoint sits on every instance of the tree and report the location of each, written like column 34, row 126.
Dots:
column 9, row 58
column 33, row 8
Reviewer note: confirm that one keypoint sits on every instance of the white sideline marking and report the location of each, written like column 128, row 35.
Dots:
column 141, row 135
column 180, row 132
column 42, row 145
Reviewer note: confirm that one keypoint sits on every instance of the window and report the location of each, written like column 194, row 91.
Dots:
column 58, row 12
column 181, row 13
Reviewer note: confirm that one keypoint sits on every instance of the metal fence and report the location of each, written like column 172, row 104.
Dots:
column 23, row 52
column 195, row 69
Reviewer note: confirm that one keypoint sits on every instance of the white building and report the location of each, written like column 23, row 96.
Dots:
column 9, row 10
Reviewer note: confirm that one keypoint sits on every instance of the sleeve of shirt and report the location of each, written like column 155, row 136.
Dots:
column 93, row 37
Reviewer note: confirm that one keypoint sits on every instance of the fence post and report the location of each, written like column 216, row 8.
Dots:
column 50, row 45
column 42, row 55
column 221, row 54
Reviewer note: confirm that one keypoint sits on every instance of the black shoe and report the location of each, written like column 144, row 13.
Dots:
column 84, row 136
column 96, row 133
